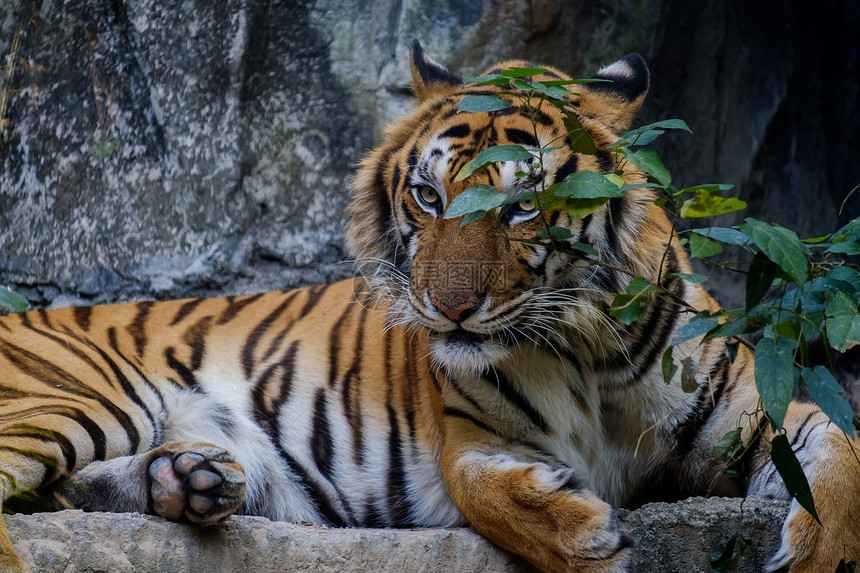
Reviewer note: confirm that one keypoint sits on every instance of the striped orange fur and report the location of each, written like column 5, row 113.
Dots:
column 471, row 377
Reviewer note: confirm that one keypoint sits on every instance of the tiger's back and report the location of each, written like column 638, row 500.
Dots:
column 249, row 373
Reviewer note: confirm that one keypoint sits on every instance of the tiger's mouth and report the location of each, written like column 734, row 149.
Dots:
column 465, row 351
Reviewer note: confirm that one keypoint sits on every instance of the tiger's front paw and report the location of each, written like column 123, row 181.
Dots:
column 199, row 482
column 610, row 552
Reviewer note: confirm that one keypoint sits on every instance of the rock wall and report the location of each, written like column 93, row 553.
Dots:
column 669, row 538
column 155, row 149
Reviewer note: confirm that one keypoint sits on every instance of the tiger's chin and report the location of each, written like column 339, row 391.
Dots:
column 463, row 353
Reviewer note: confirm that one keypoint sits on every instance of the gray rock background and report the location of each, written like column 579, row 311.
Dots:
column 165, row 149
column 669, row 538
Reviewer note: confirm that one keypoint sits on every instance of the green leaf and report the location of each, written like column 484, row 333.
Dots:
column 696, row 326
column 477, row 198
column 482, row 103
column 760, row 277
column 846, row 275
column 494, row 154
column 648, row 133
column 727, row 557
column 556, row 92
column 516, row 72
column 557, row 233
column 701, row 247
column 640, row 286
column 829, row 396
column 588, row 185
column 775, row 375
column 642, row 186
column 586, row 248
column 689, row 369
column 473, row 216
column 726, row 235
column 689, row 277
column 845, row 248
column 814, row 240
column 843, row 322
column 581, row 208
column 706, row 205
column 648, row 161
column 668, row 365
column 13, row 301
column 580, row 140
column 491, row 80
column 729, row 446
column 627, row 307
column 791, row 471
column 850, row 232
column 709, row 187
column 781, row 245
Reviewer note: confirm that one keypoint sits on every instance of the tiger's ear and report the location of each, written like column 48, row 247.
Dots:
column 616, row 101
column 428, row 75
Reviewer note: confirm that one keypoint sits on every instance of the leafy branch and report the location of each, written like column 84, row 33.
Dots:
column 810, row 290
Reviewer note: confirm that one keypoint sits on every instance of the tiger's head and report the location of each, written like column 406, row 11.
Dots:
column 483, row 288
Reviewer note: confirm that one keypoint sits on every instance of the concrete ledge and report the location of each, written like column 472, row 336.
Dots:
column 669, row 537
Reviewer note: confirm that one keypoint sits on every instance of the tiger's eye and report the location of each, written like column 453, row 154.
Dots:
column 428, row 194
column 527, row 204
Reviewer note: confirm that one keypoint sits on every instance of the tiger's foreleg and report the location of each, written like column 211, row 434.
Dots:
column 831, row 462
column 545, row 514
column 197, row 482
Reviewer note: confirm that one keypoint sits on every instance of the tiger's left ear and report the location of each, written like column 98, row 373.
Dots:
column 616, row 101
column 428, row 75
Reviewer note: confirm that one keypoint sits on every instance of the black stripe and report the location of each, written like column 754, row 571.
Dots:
column 186, row 309
column 322, row 447
column 372, row 516
column 315, row 294
column 688, row 430
column 55, row 377
column 458, row 131
column 570, row 166
column 82, row 317
column 604, row 160
column 44, row 318
column 395, row 185
column 514, row 397
column 334, row 345
column 800, row 429
column 46, row 435
column 195, row 338
column 398, row 505
column 234, row 307
column 256, row 334
column 266, row 417
column 521, row 137
column 656, row 330
column 465, row 395
column 97, row 436
column 49, row 463
column 351, row 393
column 457, row 413
column 383, row 204
column 137, row 328
column 185, row 373
column 613, row 217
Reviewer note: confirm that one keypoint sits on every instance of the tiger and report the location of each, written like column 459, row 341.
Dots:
column 469, row 375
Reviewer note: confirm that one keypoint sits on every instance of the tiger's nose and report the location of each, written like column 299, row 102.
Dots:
column 455, row 313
